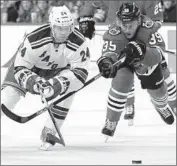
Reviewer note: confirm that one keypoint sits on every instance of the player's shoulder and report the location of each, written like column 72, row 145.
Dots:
column 146, row 22
column 75, row 39
column 113, row 33
column 148, row 25
column 40, row 36
column 146, row 29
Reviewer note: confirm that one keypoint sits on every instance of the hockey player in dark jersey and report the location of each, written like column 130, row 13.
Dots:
column 153, row 10
column 53, row 60
column 143, row 57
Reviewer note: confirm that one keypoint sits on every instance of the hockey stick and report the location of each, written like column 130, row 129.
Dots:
column 6, row 65
column 170, row 52
column 59, row 140
column 21, row 119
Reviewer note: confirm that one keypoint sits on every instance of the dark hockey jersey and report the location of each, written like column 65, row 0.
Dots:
column 115, row 40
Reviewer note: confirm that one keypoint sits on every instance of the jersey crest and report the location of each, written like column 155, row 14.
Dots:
column 114, row 31
column 147, row 22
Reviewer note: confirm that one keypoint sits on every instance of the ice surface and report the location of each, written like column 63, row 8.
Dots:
column 149, row 140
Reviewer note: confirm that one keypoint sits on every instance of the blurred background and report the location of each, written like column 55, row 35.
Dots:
column 37, row 11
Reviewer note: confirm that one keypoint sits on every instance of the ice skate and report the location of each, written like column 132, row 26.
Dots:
column 130, row 113
column 109, row 129
column 47, row 142
column 166, row 115
column 46, row 146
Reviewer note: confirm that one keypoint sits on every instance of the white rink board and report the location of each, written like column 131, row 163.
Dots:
column 149, row 140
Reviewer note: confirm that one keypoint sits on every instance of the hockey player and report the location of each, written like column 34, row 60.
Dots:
column 53, row 60
column 153, row 10
column 143, row 57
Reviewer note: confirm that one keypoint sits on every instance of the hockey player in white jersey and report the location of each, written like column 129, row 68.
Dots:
column 53, row 60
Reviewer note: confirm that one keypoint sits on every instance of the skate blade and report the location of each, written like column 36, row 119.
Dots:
column 130, row 122
column 106, row 138
column 46, row 147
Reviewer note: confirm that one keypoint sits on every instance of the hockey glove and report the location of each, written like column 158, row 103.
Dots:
column 52, row 88
column 105, row 65
column 135, row 52
column 87, row 26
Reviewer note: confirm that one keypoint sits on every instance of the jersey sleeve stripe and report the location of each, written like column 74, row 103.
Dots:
column 42, row 44
column 78, row 33
column 41, row 40
column 81, row 71
column 40, row 34
column 79, row 74
column 72, row 46
column 39, row 29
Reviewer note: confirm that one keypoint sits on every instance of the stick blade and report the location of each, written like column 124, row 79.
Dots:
column 55, row 139
column 13, row 116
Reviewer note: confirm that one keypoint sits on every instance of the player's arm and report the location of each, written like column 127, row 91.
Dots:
column 24, row 62
column 156, row 45
column 149, row 54
column 78, row 72
column 110, row 54
column 26, row 78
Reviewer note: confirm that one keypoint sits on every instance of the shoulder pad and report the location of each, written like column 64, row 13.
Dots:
column 147, row 22
column 40, row 36
column 119, row 37
column 75, row 40
column 114, row 29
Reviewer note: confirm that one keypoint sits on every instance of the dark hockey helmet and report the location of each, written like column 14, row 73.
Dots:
column 128, row 12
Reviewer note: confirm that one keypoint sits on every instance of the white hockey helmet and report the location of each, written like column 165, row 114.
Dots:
column 61, row 16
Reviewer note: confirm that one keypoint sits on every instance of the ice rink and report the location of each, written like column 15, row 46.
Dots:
column 149, row 140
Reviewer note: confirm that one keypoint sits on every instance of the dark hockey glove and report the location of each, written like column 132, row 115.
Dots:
column 105, row 65
column 87, row 26
column 135, row 52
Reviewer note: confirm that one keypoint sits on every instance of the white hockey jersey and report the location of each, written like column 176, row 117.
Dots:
column 40, row 55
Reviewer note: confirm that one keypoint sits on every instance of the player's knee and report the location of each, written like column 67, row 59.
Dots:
column 160, row 92
column 59, row 112
column 123, row 81
column 171, row 87
column 159, row 97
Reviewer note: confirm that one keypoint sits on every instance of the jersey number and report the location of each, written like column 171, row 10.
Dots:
column 158, row 8
column 85, row 55
column 156, row 37
column 109, row 45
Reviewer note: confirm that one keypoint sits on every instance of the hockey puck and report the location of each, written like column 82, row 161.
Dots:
column 136, row 161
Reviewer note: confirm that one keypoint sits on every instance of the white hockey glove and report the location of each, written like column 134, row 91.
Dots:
column 35, row 84
column 50, row 89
